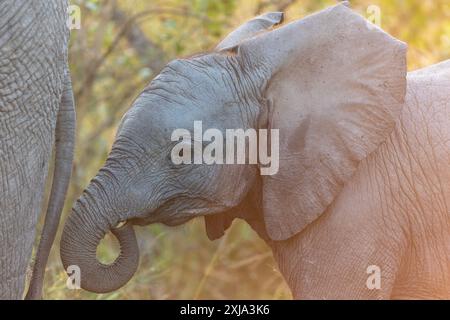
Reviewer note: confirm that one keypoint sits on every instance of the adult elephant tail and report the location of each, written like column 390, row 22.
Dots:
column 64, row 150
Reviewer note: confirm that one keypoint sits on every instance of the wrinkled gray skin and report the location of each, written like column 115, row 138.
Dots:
column 391, row 213
column 36, row 112
column 394, row 213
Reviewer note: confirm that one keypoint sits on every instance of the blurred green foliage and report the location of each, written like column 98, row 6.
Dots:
column 121, row 45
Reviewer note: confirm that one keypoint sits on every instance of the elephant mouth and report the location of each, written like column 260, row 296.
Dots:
column 174, row 218
column 178, row 211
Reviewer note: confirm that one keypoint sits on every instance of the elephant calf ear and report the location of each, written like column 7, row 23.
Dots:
column 337, row 86
column 250, row 29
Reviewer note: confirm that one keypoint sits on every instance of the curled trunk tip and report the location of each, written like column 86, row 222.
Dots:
column 79, row 243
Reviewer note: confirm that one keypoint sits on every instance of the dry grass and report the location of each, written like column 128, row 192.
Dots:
column 181, row 263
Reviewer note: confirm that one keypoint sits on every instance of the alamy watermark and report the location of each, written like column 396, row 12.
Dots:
column 74, row 17
column 374, row 279
column 73, row 282
column 374, row 16
column 192, row 149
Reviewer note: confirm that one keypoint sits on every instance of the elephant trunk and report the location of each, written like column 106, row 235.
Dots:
column 84, row 229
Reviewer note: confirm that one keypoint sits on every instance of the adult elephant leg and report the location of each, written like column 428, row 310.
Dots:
column 64, row 149
column 33, row 56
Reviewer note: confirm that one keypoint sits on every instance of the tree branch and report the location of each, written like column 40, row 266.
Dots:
column 129, row 23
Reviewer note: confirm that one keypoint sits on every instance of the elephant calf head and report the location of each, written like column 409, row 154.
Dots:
column 331, row 83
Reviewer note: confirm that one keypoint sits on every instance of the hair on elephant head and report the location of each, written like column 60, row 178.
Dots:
column 331, row 83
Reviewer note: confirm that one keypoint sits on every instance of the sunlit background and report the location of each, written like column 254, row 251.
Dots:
column 120, row 47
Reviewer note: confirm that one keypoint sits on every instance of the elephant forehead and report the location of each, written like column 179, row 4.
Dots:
column 202, row 78
column 186, row 91
column 162, row 119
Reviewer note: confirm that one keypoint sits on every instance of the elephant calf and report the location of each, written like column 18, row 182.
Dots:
column 351, row 191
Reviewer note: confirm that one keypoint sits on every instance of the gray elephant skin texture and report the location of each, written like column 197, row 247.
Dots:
column 36, row 112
